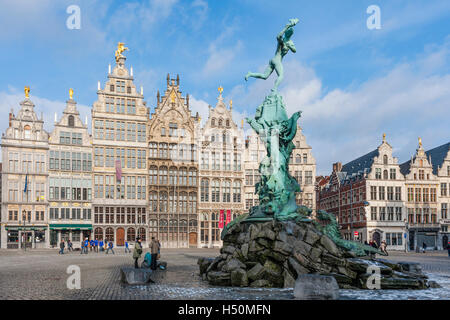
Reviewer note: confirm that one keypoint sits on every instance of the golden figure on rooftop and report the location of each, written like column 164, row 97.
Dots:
column 27, row 92
column 120, row 48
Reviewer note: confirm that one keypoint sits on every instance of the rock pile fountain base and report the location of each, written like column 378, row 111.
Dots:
column 275, row 253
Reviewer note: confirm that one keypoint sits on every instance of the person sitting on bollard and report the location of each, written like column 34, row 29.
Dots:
column 61, row 246
column 110, row 247
column 137, row 252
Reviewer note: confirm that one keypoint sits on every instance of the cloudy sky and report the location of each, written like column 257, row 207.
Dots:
column 352, row 84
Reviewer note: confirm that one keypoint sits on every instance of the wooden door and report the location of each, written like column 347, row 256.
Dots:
column 120, row 237
column 193, row 239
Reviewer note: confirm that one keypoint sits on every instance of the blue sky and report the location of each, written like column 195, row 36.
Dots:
column 351, row 83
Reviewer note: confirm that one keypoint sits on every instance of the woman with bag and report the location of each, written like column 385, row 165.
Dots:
column 137, row 252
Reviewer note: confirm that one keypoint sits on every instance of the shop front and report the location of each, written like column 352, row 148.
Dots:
column 25, row 237
column 73, row 232
column 428, row 236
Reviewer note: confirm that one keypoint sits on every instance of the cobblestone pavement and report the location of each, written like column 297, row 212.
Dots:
column 41, row 274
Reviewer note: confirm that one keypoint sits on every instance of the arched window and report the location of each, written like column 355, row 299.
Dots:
column 109, row 234
column 173, row 176
column 98, row 233
column 153, row 175
column 163, row 229
column 385, row 159
column 220, row 122
column 71, row 121
column 163, row 202
column 228, row 123
column 182, row 203
column 192, row 202
column 213, row 122
column 153, row 199
column 192, row 177
column 215, row 191
column 131, row 234
column 27, row 132
column 298, row 158
column 236, row 191
column 163, row 175
column 183, row 177
column 226, row 191
column 204, row 190
column 385, row 174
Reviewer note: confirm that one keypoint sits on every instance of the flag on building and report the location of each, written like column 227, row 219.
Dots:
column 26, row 184
column 118, row 170
column 228, row 217
column 221, row 219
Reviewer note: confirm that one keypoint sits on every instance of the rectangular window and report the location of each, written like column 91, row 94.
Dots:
column 392, row 174
column 308, row 177
column 373, row 193
column 390, row 193
column 398, row 193
column 373, row 213
column 381, row 193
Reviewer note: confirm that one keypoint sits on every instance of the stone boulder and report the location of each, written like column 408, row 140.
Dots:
column 316, row 287
column 135, row 276
column 275, row 253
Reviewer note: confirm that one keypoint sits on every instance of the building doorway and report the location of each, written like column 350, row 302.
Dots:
column 193, row 239
column 444, row 242
column 120, row 237
column 377, row 238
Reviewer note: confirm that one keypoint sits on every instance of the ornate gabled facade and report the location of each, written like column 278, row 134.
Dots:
column 366, row 195
column 440, row 157
column 221, row 173
column 120, row 173
column 421, row 185
column 173, row 169
column 25, row 180
column 70, row 178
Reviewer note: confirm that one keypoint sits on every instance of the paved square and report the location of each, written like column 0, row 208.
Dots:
column 42, row 275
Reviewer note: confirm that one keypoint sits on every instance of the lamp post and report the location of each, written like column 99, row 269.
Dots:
column 24, row 222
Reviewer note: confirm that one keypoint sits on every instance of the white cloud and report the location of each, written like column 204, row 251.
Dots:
column 409, row 101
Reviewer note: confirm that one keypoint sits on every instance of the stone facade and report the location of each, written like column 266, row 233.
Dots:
column 137, row 174
column 70, row 178
column 221, row 173
column 173, row 169
column 120, row 174
column 25, row 180
column 374, row 198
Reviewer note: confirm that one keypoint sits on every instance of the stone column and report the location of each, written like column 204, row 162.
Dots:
column 4, row 237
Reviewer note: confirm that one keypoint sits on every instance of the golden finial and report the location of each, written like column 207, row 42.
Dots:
column 120, row 48
column 220, row 89
column 71, row 94
column 172, row 97
column 231, row 103
column 27, row 92
column 384, row 137
column 242, row 123
column 420, row 142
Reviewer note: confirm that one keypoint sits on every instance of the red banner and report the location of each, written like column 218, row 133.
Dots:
column 228, row 217
column 221, row 219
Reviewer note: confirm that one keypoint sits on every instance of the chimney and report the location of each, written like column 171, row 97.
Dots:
column 337, row 167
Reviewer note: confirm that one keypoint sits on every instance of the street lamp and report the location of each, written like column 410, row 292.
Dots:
column 24, row 217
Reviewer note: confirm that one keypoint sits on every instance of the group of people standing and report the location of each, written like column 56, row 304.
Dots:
column 155, row 251
column 91, row 245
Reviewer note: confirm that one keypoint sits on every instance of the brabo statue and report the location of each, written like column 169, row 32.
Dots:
column 277, row 187
column 284, row 45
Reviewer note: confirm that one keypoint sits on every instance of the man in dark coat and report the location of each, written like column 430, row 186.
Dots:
column 154, row 249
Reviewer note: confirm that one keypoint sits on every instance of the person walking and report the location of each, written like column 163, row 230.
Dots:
column 383, row 247
column 69, row 245
column 110, row 247
column 61, row 247
column 127, row 249
column 137, row 251
column 101, row 245
column 91, row 245
column 96, row 245
column 154, row 249
column 86, row 245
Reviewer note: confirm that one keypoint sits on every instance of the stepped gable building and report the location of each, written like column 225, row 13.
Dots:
column 302, row 166
column 425, row 174
column 366, row 195
column 173, row 169
column 70, row 178
column 119, row 124
column 221, row 173
column 24, row 178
